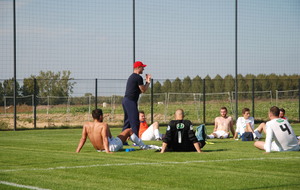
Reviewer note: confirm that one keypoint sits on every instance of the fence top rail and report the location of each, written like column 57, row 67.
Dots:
column 18, row 96
column 233, row 92
column 214, row 93
column 287, row 90
column 154, row 94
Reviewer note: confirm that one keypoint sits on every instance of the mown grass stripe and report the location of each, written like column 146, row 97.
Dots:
column 148, row 163
column 21, row 186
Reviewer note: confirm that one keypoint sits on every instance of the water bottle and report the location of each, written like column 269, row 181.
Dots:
column 129, row 149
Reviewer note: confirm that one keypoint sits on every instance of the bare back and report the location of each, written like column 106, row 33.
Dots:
column 223, row 124
column 95, row 132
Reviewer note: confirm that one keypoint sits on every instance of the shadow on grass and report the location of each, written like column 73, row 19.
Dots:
column 217, row 150
column 284, row 186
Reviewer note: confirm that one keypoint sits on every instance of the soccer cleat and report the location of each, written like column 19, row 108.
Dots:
column 150, row 147
column 158, row 139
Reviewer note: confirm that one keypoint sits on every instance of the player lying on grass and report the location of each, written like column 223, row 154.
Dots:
column 223, row 124
column 245, row 126
column 281, row 132
column 180, row 135
column 100, row 136
column 148, row 133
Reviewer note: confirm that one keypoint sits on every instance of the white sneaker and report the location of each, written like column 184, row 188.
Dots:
column 150, row 147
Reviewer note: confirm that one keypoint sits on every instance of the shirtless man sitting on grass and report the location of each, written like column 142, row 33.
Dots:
column 223, row 124
column 100, row 136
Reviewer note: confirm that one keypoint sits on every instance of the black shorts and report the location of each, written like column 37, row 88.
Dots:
column 202, row 143
column 247, row 136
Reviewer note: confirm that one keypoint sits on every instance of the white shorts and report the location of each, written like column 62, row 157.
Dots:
column 223, row 134
column 274, row 147
column 114, row 144
column 148, row 135
column 258, row 134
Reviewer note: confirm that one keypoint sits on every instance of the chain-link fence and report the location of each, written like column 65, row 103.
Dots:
column 201, row 104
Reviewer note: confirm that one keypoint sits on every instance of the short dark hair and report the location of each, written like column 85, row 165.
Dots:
column 282, row 110
column 244, row 110
column 97, row 113
column 274, row 110
column 223, row 108
column 141, row 111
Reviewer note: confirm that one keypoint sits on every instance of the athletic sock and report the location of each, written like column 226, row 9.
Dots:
column 210, row 136
column 137, row 140
column 156, row 134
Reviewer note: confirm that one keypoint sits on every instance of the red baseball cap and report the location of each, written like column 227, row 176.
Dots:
column 138, row 64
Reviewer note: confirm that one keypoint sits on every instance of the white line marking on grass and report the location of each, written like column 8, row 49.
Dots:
column 146, row 163
column 22, row 186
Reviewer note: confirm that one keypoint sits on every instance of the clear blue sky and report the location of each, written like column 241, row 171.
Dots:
column 175, row 38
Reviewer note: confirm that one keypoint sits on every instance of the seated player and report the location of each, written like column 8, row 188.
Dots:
column 245, row 127
column 281, row 132
column 100, row 136
column 262, row 127
column 223, row 124
column 180, row 135
column 148, row 133
column 282, row 114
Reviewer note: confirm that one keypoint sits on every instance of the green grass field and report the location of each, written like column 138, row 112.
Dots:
column 46, row 159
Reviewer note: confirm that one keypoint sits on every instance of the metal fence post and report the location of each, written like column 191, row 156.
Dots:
column 299, row 99
column 96, row 92
column 34, row 102
column 152, row 118
column 253, row 102
column 15, row 66
column 236, row 59
column 203, row 87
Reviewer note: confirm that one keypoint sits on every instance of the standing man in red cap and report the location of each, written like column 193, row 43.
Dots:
column 134, row 87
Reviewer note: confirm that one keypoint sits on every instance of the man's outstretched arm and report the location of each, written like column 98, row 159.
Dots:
column 163, row 147
column 105, row 134
column 82, row 140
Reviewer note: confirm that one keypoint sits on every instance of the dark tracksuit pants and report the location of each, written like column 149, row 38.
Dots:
column 131, row 115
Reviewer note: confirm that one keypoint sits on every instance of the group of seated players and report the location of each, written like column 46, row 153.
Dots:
column 180, row 134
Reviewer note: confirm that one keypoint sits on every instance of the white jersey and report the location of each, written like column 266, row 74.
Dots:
column 241, row 124
column 281, row 131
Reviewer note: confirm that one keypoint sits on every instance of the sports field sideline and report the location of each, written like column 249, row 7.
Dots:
column 46, row 159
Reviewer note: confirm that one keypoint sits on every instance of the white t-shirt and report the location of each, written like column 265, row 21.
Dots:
column 241, row 124
column 281, row 131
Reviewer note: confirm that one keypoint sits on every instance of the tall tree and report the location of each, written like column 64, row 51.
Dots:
column 167, row 86
column 55, row 84
column 243, row 88
column 176, row 88
column 8, row 90
column 176, row 85
column 186, row 85
column 1, row 94
column 209, row 85
column 157, row 88
column 228, row 83
column 197, row 84
column 50, row 83
column 218, row 84
column 28, row 86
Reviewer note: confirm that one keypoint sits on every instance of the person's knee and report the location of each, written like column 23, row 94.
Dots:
column 128, row 131
column 155, row 125
column 259, row 144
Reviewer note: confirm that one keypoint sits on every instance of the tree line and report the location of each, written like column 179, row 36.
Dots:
column 262, row 82
column 60, row 84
